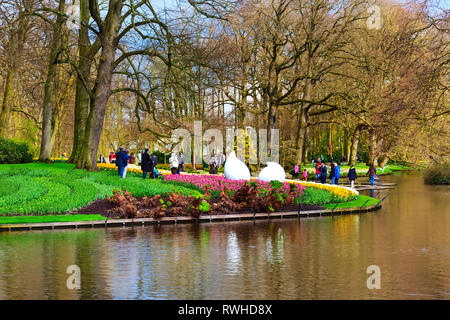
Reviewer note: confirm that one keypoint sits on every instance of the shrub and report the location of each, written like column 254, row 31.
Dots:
column 438, row 174
column 14, row 152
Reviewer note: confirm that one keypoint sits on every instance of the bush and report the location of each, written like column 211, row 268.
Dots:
column 438, row 174
column 14, row 152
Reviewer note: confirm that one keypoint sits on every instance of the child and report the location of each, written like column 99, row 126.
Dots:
column 305, row 175
column 296, row 170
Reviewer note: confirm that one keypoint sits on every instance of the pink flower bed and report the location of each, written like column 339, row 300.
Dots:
column 212, row 181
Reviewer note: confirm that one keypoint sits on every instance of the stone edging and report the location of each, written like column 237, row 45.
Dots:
column 175, row 220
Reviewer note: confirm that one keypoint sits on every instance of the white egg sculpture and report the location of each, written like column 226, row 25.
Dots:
column 273, row 171
column 235, row 169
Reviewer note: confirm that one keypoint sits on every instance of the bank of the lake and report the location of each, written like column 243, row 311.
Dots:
column 58, row 193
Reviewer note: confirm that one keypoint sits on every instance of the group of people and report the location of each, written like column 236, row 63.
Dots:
column 335, row 173
column 216, row 161
column 372, row 173
column 176, row 162
column 122, row 159
column 322, row 171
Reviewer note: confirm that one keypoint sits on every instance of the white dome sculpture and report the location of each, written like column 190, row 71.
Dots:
column 273, row 171
column 235, row 169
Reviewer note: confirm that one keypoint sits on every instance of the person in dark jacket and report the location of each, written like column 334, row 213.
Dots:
column 323, row 174
column 147, row 165
column 352, row 176
column 121, row 161
column 332, row 173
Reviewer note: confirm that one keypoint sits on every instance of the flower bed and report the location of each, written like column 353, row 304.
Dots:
column 200, row 180
column 343, row 193
column 214, row 182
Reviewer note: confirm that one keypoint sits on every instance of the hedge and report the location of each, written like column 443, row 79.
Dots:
column 14, row 152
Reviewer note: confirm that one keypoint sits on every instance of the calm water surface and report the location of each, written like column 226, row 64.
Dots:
column 314, row 258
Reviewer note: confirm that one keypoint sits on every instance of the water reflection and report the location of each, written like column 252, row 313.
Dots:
column 233, row 253
column 313, row 258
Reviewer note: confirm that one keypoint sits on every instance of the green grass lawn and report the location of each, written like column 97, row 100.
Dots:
column 51, row 218
column 36, row 189
column 359, row 202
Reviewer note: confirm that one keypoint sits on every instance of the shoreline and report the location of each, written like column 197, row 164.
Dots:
column 175, row 220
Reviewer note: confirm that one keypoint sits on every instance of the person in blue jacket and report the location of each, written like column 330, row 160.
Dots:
column 371, row 173
column 121, row 161
column 337, row 173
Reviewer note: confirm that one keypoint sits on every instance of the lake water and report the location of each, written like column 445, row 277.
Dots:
column 313, row 258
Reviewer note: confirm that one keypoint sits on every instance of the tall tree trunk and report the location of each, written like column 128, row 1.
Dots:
column 372, row 147
column 82, row 98
column 355, row 143
column 102, row 88
column 330, row 140
column 15, row 46
column 46, row 145
column 301, row 136
column 384, row 160
column 303, row 124
column 5, row 113
column 345, row 147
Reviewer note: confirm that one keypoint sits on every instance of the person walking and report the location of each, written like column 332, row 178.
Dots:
column 112, row 157
column 147, row 165
column 305, row 175
column 371, row 173
column 132, row 159
column 173, row 160
column 212, row 165
column 181, row 165
column 120, row 160
column 352, row 176
column 318, row 167
column 127, row 159
column 337, row 173
column 323, row 177
column 296, row 171
column 139, row 157
column 332, row 173
column 222, row 159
